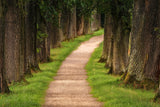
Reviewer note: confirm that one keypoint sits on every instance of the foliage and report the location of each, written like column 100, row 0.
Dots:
column 32, row 94
column 104, row 6
column 50, row 9
column 86, row 7
column 108, row 90
column 69, row 4
column 157, row 30
column 122, row 11
column 41, row 36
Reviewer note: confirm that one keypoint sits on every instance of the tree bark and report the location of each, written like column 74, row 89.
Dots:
column 80, row 24
column 72, row 24
column 43, row 41
column 120, row 48
column 14, row 42
column 69, row 23
column 144, row 51
column 55, row 33
column 87, row 25
column 107, row 40
column 65, row 23
column 3, row 83
column 74, row 18
column 31, row 37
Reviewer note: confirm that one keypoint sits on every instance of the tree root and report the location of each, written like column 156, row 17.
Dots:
column 157, row 97
column 102, row 59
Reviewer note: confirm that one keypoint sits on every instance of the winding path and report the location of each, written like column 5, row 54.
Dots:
column 70, row 88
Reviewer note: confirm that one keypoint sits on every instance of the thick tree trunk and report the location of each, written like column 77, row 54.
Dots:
column 22, row 39
column 120, row 48
column 107, row 40
column 3, row 83
column 31, row 38
column 14, row 42
column 44, row 54
column 157, row 69
column 144, row 51
column 55, row 34
column 154, row 59
column 137, row 50
column 152, row 31
column 43, row 41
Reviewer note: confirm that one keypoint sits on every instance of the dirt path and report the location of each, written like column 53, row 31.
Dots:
column 70, row 88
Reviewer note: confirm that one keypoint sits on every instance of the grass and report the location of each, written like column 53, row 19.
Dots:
column 33, row 94
column 107, row 89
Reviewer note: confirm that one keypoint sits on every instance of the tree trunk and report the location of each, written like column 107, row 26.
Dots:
column 55, row 34
column 3, row 83
column 120, row 48
column 65, row 23
column 14, row 42
column 44, row 53
column 72, row 24
column 43, row 41
column 144, row 51
column 69, row 23
column 74, row 18
column 79, row 21
column 80, row 24
column 96, row 21
column 107, row 40
column 31, row 37
column 87, row 25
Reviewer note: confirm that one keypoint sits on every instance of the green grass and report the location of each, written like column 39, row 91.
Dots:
column 33, row 94
column 107, row 89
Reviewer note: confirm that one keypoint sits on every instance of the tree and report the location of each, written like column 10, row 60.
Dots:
column 3, row 83
column 144, row 51
column 14, row 40
column 31, row 60
column 116, row 37
column 95, row 21
column 80, row 18
column 85, row 10
column 68, row 22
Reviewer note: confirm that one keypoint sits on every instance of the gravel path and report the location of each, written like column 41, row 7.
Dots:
column 70, row 88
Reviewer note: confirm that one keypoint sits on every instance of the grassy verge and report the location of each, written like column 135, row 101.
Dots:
column 106, row 87
column 33, row 94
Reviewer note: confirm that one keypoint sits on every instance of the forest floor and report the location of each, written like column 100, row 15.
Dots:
column 107, row 88
column 70, row 87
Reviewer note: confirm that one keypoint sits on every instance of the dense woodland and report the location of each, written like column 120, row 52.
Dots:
column 30, row 28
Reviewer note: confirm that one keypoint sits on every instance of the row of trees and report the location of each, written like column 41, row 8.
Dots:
column 132, row 43
column 29, row 28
